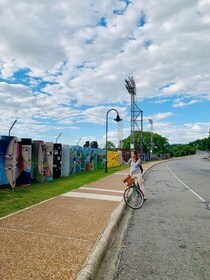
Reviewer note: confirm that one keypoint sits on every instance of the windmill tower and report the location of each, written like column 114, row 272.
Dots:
column 136, row 115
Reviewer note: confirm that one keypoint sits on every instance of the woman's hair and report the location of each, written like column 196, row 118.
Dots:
column 136, row 154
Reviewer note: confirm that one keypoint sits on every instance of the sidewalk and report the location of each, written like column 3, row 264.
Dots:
column 52, row 240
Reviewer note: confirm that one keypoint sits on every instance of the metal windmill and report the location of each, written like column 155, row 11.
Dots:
column 136, row 114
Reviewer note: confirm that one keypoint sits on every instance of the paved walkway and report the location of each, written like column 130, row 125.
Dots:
column 52, row 240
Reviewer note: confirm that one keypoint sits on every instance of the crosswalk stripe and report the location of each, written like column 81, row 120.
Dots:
column 93, row 196
column 102, row 190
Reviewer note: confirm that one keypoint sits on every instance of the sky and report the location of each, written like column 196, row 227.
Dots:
column 63, row 65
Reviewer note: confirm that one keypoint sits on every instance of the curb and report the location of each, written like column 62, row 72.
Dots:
column 102, row 245
column 96, row 257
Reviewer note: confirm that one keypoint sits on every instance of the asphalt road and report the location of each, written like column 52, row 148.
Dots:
column 169, row 237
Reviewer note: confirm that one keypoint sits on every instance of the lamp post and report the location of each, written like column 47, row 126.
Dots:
column 117, row 119
column 12, row 126
column 151, row 143
column 78, row 141
column 58, row 137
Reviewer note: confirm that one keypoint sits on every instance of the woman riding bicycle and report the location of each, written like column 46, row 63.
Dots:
column 135, row 170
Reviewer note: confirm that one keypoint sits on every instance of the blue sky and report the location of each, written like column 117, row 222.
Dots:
column 63, row 66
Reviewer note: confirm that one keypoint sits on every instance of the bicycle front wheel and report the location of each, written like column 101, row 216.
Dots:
column 133, row 197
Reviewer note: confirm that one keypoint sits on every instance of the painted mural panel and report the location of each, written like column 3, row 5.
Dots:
column 77, row 159
column 90, row 155
column 65, row 162
column 24, row 162
column 100, row 159
column 57, row 158
column 9, row 153
column 37, row 173
column 48, row 161
column 114, row 158
column 2, row 159
column 86, row 159
column 89, row 159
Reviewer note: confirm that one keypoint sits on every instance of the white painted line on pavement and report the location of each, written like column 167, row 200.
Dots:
column 43, row 234
column 102, row 190
column 203, row 200
column 121, row 173
column 93, row 196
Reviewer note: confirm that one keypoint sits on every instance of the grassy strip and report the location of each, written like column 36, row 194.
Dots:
column 22, row 197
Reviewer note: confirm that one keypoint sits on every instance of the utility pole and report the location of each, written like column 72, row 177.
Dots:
column 151, row 140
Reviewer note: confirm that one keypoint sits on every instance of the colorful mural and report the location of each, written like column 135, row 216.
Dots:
column 86, row 159
column 3, row 179
column 57, row 155
column 9, row 153
column 77, row 160
column 37, row 173
column 48, row 161
column 24, row 162
column 114, row 158
column 101, row 155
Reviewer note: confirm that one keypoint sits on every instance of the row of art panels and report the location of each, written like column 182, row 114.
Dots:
column 24, row 161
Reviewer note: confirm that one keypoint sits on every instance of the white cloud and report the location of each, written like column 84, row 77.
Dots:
column 159, row 116
column 181, row 104
column 182, row 133
column 85, row 64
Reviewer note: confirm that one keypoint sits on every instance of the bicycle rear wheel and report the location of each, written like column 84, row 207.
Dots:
column 133, row 197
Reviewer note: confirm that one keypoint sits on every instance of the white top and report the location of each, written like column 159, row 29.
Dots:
column 134, row 168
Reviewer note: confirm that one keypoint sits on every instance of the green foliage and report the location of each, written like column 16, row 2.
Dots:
column 110, row 146
column 201, row 144
column 126, row 143
column 161, row 145
column 180, row 150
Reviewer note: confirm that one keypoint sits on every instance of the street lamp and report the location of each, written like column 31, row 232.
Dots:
column 58, row 137
column 117, row 119
column 151, row 144
column 12, row 126
column 78, row 141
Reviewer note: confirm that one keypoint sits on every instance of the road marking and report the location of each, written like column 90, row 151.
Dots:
column 102, row 190
column 121, row 173
column 93, row 196
column 203, row 200
column 43, row 234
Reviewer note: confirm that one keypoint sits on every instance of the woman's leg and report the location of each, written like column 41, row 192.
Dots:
column 141, row 184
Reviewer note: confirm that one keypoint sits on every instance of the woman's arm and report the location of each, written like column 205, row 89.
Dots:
column 128, row 162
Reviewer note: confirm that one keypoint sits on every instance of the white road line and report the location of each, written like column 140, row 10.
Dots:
column 43, row 234
column 203, row 200
column 102, row 190
column 93, row 196
column 122, row 173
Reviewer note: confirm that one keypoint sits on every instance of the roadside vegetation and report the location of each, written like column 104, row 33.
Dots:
column 162, row 146
column 22, row 197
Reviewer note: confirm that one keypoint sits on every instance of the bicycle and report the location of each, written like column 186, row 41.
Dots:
column 133, row 195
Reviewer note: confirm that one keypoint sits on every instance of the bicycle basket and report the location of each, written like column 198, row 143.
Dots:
column 128, row 180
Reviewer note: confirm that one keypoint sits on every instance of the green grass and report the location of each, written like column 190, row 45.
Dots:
column 22, row 197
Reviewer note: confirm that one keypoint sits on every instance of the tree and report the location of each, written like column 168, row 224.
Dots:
column 87, row 144
column 110, row 146
column 94, row 144
column 180, row 150
column 160, row 144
